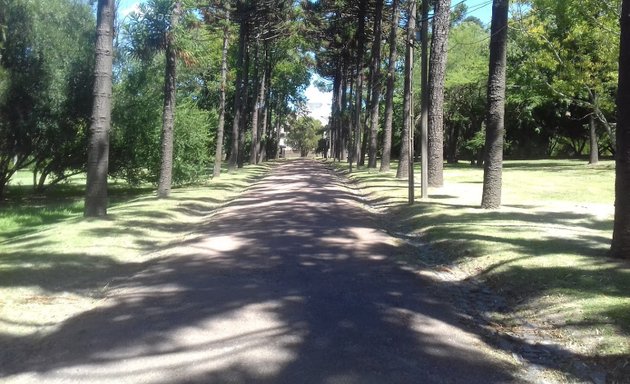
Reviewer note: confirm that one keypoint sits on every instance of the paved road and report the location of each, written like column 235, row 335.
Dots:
column 291, row 283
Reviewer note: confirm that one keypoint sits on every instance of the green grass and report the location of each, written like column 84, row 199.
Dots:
column 24, row 211
column 545, row 250
column 51, row 256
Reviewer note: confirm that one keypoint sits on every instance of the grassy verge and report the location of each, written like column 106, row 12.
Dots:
column 55, row 264
column 544, row 250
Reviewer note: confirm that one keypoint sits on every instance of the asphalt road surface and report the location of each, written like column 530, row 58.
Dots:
column 293, row 282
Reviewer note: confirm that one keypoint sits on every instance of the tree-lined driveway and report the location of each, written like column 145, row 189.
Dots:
column 293, row 282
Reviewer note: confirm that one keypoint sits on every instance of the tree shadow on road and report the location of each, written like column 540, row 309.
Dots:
column 303, row 289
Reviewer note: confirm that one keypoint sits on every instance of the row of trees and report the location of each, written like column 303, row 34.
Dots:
column 553, row 86
column 154, row 102
column 151, row 105
column 561, row 79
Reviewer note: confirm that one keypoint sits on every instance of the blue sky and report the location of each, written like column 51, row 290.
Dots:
column 479, row 8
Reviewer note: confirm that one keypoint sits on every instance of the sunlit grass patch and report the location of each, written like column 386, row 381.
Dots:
column 545, row 250
column 52, row 268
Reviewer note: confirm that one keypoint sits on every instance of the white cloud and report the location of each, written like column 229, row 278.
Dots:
column 125, row 8
column 319, row 103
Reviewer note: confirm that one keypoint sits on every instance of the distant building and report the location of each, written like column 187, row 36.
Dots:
column 282, row 141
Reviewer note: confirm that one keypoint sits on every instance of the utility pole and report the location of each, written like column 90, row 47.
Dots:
column 425, row 100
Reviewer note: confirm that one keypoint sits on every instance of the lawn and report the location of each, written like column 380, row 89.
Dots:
column 55, row 264
column 544, row 251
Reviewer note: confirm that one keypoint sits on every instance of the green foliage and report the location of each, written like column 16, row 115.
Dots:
column 137, row 120
column 145, row 33
column 304, row 134
column 467, row 55
column 193, row 140
column 564, row 55
column 45, row 87
column 476, row 143
column 465, row 87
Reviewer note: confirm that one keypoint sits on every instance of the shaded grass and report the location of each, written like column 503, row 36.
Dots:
column 54, row 260
column 545, row 250
column 24, row 210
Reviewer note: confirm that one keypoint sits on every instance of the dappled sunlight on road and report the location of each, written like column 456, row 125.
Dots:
column 293, row 282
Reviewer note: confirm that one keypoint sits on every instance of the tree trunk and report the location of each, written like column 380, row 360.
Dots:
column 452, row 147
column 264, row 100
column 375, row 83
column 358, row 91
column 403, row 166
column 335, row 113
column 621, row 234
column 168, row 116
column 98, row 145
column 244, row 106
column 594, row 151
column 238, row 97
column 258, row 111
column 278, row 128
column 366, row 126
column 437, row 71
column 424, row 116
column 218, row 156
column 389, row 95
column 259, row 87
column 342, row 126
column 493, row 165
column 264, row 152
column 347, row 111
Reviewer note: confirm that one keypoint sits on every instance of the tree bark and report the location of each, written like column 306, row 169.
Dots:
column 278, row 128
column 98, row 145
column 452, row 157
column 347, row 111
column 168, row 116
column 244, row 106
column 358, row 93
column 375, row 83
column 238, row 97
column 336, row 114
column 403, row 166
column 259, row 88
column 389, row 95
column 366, row 125
column 493, row 165
column 594, row 148
column 424, row 117
column 620, row 247
column 218, row 157
column 265, row 113
column 343, row 133
column 264, row 99
column 437, row 72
